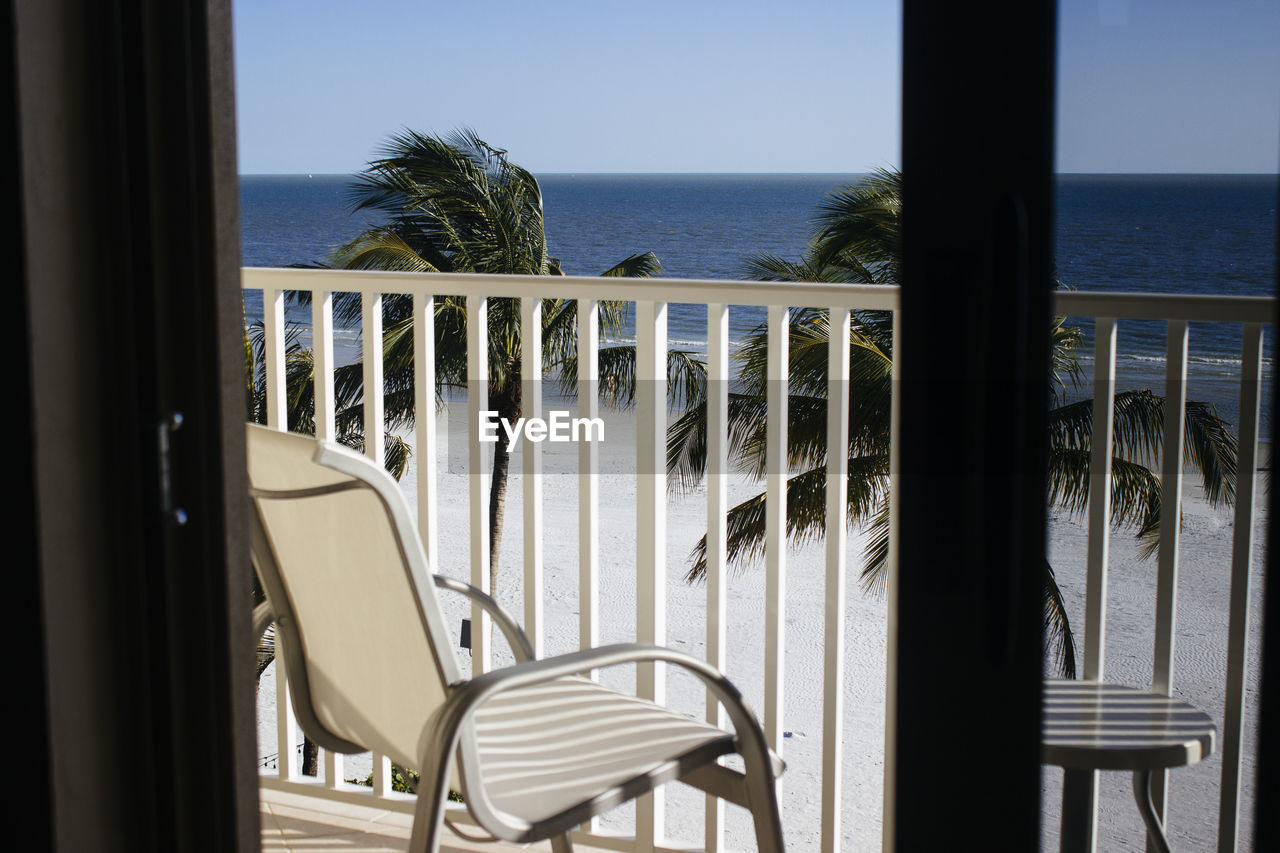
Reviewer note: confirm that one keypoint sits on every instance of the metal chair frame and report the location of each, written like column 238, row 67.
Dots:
column 452, row 736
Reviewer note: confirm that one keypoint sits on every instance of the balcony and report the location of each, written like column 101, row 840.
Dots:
column 596, row 546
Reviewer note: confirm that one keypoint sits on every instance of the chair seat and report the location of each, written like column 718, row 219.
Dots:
column 551, row 747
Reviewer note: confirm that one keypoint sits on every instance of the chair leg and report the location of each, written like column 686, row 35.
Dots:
column 762, row 793
column 561, row 844
column 428, row 817
column 764, row 810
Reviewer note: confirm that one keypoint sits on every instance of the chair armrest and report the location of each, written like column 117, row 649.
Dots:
column 262, row 617
column 518, row 640
column 465, row 697
column 446, row 726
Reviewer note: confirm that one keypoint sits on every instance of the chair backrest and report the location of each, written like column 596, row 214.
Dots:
column 343, row 568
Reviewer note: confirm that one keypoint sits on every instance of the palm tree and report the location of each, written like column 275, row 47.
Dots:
column 460, row 205
column 455, row 205
column 858, row 240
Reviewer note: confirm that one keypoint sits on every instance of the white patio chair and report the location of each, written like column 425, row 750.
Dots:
column 534, row 748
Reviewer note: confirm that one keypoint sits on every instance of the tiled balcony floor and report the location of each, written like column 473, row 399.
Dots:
column 301, row 824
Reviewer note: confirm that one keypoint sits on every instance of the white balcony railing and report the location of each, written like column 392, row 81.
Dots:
column 651, row 298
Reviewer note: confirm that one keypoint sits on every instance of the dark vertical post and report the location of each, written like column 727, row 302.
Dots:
column 978, row 95
column 128, row 225
column 27, row 629
column 1266, row 830
column 181, row 108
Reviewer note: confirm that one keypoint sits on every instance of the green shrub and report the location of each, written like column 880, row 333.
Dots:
column 404, row 781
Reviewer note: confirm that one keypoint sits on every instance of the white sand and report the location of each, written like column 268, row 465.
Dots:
column 1200, row 653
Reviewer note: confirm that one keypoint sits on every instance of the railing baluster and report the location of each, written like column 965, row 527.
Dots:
column 322, row 353
column 477, row 402
column 424, row 403
column 286, row 725
column 381, row 775
column 332, row 769
column 888, row 814
column 775, row 548
column 1101, row 443
column 374, row 420
column 651, row 527
column 588, row 481
column 1080, row 787
column 1241, row 568
column 273, row 355
column 717, row 530
column 837, row 539
column 1175, row 412
column 531, row 467
column 588, row 484
column 371, row 350
column 278, row 417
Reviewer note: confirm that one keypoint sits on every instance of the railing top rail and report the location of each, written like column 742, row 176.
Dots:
column 861, row 297
column 1166, row 306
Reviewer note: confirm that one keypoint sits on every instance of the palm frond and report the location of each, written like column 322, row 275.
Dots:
column 1057, row 627
column 687, row 439
column 806, row 512
column 767, row 267
column 1135, row 488
column 396, row 451
column 875, row 556
column 265, row 652
column 560, row 335
column 860, row 229
column 1211, row 448
column 1064, row 361
column 644, row 265
column 380, row 249
column 1137, row 434
column 1138, row 424
column 686, row 376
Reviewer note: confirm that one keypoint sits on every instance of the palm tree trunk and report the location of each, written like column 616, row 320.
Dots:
column 310, row 758
column 507, row 404
column 497, row 507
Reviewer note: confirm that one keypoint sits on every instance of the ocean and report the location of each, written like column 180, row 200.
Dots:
column 1139, row 233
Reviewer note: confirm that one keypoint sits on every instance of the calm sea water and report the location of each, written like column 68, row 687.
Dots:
column 1154, row 234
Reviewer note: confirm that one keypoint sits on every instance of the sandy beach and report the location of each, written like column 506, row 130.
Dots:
column 1200, row 649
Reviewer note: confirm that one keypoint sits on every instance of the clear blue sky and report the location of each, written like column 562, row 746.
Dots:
column 744, row 86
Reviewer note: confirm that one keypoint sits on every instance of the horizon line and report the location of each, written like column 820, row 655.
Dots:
column 794, row 173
